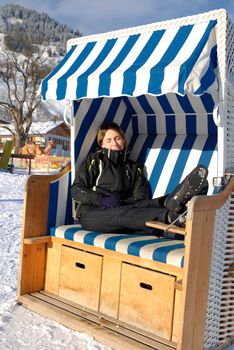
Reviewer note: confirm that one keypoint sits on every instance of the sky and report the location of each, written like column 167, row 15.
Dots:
column 98, row 16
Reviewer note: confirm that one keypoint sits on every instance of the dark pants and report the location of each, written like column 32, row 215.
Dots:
column 127, row 218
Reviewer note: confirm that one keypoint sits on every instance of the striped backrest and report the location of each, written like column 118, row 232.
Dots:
column 169, row 158
column 167, row 134
column 172, row 141
column 60, row 202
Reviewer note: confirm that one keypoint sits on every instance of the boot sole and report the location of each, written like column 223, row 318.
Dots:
column 190, row 186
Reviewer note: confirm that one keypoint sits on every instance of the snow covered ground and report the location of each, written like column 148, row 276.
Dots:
column 20, row 328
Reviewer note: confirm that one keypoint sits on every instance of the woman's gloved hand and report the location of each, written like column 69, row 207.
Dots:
column 109, row 202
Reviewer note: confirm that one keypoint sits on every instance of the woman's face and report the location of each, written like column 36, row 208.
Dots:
column 113, row 140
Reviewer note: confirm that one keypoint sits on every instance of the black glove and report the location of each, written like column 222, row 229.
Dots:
column 109, row 202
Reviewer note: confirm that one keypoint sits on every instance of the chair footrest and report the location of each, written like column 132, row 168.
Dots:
column 166, row 227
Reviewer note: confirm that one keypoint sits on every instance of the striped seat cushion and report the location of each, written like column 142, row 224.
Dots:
column 164, row 250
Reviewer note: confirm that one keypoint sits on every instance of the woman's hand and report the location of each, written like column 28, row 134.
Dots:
column 109, row 202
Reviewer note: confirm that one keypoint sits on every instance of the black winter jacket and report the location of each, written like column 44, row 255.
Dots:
column 107, row 173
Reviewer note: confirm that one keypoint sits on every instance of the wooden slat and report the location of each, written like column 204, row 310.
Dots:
column 103, row 330
column 178, row 285
column 166, row 227
column 176, row 316
column 110, row 288
column 103, row 317
column 36, row 240
column 53, row 264
column 33, row 268
column 196, row 277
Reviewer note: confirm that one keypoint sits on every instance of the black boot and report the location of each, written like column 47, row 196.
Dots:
column 194, row 184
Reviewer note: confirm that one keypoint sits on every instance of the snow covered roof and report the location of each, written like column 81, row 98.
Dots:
column 44, row 127
column 40, row 128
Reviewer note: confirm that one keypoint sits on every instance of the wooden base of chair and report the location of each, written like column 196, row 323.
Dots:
column 117, row 335
column 136, row 298
column 136, row 303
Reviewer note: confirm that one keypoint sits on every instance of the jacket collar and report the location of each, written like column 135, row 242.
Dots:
column 117, row 157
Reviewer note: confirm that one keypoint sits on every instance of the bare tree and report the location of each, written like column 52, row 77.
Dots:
column 20, row 76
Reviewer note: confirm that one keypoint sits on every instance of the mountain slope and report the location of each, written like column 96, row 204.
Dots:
column 37, row 28
column 19, row 26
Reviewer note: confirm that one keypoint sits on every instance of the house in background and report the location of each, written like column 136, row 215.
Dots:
column 58, row 132
column 42, row 133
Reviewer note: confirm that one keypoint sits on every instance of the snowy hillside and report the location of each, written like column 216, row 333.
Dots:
column 20, row 26
column 37, row 28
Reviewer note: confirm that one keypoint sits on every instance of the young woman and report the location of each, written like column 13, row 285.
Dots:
column 111, row 190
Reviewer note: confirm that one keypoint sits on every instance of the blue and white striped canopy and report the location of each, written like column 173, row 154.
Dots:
column 180, row 60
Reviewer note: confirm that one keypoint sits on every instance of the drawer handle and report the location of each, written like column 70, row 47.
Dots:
column 80, row 265
column 146, row 286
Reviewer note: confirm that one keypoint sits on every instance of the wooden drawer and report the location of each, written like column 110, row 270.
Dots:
column 80, row 277
column 147, row 300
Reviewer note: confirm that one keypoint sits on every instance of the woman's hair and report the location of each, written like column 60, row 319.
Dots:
column 107, row 126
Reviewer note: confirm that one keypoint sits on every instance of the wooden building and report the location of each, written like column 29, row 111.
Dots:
column 42, row 133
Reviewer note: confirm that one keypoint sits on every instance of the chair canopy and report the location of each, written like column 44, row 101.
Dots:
column 179, row 59
column 159, row 84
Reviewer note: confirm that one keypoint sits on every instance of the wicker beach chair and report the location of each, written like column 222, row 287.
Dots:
column 170, row 86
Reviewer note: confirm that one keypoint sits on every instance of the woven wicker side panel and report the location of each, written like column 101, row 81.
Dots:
column 229, row 100
column 219, row 320
column 230, row 53
column 229, row 151
column 227, row 302
column 220, row 310
column 226, row 318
